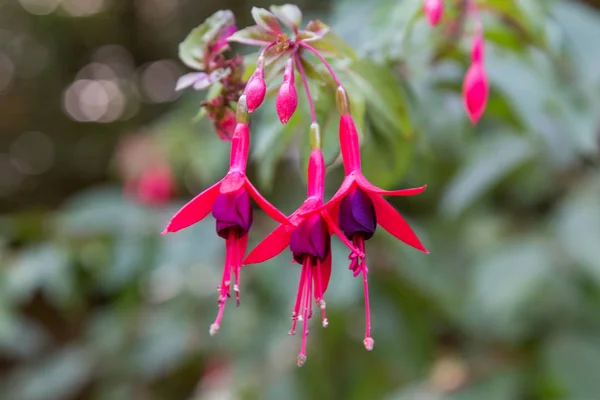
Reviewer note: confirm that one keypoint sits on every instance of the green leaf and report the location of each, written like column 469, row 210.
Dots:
column 289, row 14
column 266, row 20
column 307, row 37
column 333, row 45
column 492, row 160
column 192, row 49
column 317, row 27
column 253, row 36
column 573, row 361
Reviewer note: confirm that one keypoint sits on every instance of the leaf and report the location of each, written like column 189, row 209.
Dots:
column 307, row 37
column 573, row 361
column 504, row 281
column 289, row 14
column 192, row 79
column 253, row 36
column 578, row 226
column 492, row 160
column 332, row 44
column 192, row 49
column 266, row 20
column 317, row 27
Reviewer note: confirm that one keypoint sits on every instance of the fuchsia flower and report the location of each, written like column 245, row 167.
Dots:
column 229, row 201
column 309, row 240
column 358, row 206
column 476, row 85
column 434, row 9
column 287, row 98
column 155, row 185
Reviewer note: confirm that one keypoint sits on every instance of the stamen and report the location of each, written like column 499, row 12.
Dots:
column 307, row 299
column 296, row 314
column 368, row 342
column 319, row 294
column 225, row 282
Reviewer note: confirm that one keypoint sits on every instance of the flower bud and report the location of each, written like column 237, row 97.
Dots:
column 434, row 9
column 475, row 91
column 256, row 87
column 477, row 52
column 287, row 98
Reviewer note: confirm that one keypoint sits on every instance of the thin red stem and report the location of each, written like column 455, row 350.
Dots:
column 311, row 103
column 323, row 60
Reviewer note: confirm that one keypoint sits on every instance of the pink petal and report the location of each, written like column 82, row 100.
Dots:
column 434, row 10
column 325, row 271
column 265, row 205
column 270, row 247
column 195, row 210
column 392, row 221
column 475, row 91
column 367, row 186
column 193, row 78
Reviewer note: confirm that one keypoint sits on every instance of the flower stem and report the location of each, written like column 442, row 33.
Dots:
column 311, row 103
column 323, row 60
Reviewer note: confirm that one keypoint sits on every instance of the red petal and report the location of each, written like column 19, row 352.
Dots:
column 325, row 273
column 270, row 247
column 347, row 184
column 265, row 205
column 195, row 210
column 392, row 221
column 367, row 186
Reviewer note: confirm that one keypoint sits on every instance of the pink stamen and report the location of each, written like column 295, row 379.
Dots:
column 358, row 265
column 297, row 305
column 307, row 301
column 236, row 263
column 230, row 257
column 319, row 295
column 311, row 103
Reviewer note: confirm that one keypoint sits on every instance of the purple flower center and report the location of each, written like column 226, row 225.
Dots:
column 233, row 211
column 357, row 214
column 311, row 238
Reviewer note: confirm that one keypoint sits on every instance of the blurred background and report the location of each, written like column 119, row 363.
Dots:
column 97, row 151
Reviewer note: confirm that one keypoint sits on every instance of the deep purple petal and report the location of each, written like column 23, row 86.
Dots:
column 233, row 211
column 357, row 214
column 311, row 238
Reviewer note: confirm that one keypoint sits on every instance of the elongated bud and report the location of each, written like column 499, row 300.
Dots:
column 343, row 101
column 478, row 51
column 256, row 88
column 315, row 136
column 475, row 91
column 434, row 9
column 287, row 98
column 242, row 110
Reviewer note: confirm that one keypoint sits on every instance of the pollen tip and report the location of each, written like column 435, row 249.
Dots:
column 214, row 329
column 369, row 343
column 165, row 231
column 325, row 322
column 301, row 359
column 291, row 332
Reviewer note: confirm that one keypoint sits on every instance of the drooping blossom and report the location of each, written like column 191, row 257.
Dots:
column 434, row 9
column 287, row 98
column 155, row 185
column 309, row 240
column 476, row 85
column 229, row 201
column 358, row 205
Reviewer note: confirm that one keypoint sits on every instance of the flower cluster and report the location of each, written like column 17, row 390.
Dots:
column 352, row 214
column 475, row 85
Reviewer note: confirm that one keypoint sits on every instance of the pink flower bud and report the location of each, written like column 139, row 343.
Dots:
column 475, row 91
column 256, row 88
column 434, row 9
column 287, row 98
column 477, row 52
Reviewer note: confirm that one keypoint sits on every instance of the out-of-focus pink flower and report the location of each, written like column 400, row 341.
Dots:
column 226, row 125
column 155, row 186
column 434, row 9
column 476, row 84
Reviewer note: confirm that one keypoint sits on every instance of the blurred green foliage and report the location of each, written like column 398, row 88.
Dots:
column 95, row 304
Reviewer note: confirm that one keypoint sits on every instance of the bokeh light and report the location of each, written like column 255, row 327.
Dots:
column 7, row 71
column 158, row 80
column 32, row 153
column 40, row 7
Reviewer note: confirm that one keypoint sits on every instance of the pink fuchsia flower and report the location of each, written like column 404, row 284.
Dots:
column 309, row 240
column 358, row 206
column 476, row 84
column 434, row 9
column 229, row 201
column 155, row 185
column 287, row 98
column 256, row 88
